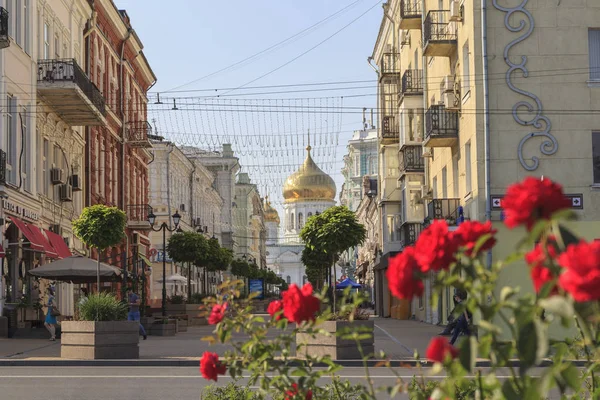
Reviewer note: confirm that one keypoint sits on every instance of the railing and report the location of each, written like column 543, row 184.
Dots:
column 412, row 81
column 4, row 38
column 446, row 209
column 410, row 9
column 2, row 167
column 67, row 70
column 440, row 122
column 413, row 159
column 390, row 63
column 437, row 27
column 410, row 232
column 391, row 129
column 138, row 131
column 138, row 212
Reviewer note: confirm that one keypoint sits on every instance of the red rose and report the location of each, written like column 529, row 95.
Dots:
column 294, row 393
column 531, row 200
column 469, row 233
column 537, row 260
column 403, row 275
column 275, row 307
column 435, row 247
column 581, row 277
column 439, row 349
column 211, row 367
column 217, row 313
column 300, row 305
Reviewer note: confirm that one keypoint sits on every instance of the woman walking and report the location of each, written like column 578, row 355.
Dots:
column 50, row 321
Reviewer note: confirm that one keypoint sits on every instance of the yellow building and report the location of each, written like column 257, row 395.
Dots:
column 478, row 98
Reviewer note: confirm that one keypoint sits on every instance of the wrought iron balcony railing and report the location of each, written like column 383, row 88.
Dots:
column 437, row 27
column 390, row 63
column 446, row 209
column 390, row 129
column 440, row 122
column 412, row 81
column 410, row 232
column 138, row 133
column 410, row 9
column 4, row 38
column 412, row 159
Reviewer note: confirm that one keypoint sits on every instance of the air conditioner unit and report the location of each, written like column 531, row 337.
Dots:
column 451, row 101
column 448, row 83
column 66, row 192
column 76, row 183
column 56, row 229
column 455, row 11
column 57, row 176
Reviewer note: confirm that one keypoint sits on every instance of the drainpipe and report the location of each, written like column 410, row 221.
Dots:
column 486, row 119
column 90, row 26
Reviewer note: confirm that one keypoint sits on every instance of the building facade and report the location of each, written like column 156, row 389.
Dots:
column 471, row 123
column 250, row 232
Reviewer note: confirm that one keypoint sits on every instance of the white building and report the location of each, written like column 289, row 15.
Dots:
column 361, row 160
column 248, row 224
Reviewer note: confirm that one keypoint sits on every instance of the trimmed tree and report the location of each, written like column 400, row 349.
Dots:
column 216, row 258
column 332, row 232
column 100, row 227
column 186, row 248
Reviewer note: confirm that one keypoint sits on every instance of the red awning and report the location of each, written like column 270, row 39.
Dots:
column 59, row 244
column 48, row 248
column 34, row 242
column 2, row 252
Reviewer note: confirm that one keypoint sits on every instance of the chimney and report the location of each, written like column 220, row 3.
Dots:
column 227, row 150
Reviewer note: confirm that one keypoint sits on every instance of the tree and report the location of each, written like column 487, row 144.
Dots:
column 186, row 248
column 100, row 227
column 317, row 264
column 215, row 258
column 332, row 232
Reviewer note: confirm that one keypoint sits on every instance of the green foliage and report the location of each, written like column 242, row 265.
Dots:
column 176, row 299
column 103, row 307
column 197, row 298
column 240, row 268
column 230, row 392
column 317, row 264
column 187, row 247
column 100, row 226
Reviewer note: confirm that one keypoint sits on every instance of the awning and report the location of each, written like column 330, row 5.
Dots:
column 48, row 248
column 33, row 240
column 59, row 244
column 2, row 252
column 144, row 259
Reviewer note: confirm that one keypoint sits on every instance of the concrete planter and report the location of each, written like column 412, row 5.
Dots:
column 198, row 321
column 147, row 322
column 91, row 340
column 169, row 329
column 174, row 309
column 195, row 311
column 336, row 347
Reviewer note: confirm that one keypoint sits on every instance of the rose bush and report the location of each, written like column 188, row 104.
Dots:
column 512, row 326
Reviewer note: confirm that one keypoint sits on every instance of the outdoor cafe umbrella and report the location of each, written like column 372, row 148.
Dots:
column 76, row 269
column 348, row 282
column 175, row 278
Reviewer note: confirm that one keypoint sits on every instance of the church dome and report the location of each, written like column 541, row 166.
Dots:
column 271, row 214
column 309, row 183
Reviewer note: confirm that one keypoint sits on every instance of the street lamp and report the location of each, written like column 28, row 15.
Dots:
column 164, row 228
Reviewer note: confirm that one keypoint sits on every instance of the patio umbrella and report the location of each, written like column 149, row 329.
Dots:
column 76, row 269
column 175, row 278
column 348, row 282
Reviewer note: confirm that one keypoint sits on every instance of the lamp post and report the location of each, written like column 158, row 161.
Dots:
column 164, row 228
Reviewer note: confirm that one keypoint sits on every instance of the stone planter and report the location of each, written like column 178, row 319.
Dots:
column 195, row 311
column 174, row 309
column 160, row 329
column 147, row 322
column 336, row 347
column 91, row 340
column 198, row 321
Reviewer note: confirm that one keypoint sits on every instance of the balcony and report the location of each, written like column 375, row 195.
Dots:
column 64, row 86
column 410, row 14
column 441, row 127
column 390, row 68
column 4, row 38
column 411, row 160
column 446, row 209
column 390, row 129
column 412, row 82
column 137, row 216
column 439, row 35
column 410, row 232
column 137, row 134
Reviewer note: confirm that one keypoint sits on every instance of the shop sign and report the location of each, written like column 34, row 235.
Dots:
column 21, row 211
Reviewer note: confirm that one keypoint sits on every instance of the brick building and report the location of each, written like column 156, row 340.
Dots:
column 118, row 152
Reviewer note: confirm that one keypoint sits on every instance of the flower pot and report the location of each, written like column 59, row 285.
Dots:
column 91, row 340
column 334, row 346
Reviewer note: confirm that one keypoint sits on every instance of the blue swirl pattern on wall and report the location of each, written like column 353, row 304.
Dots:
column 540, row 122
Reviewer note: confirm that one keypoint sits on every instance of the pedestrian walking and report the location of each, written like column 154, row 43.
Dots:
column 134, row 309
column 84, row 296
column 51, row 314
column 459, row 295
column 462, row 322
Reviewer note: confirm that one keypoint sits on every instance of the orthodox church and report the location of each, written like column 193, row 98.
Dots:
column 306, row 192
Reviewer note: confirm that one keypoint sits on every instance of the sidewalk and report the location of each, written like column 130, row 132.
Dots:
column 398, row 339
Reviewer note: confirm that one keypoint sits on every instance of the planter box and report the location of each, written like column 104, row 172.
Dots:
column 182, row 325
column 90, row 340
column 147, row 322
column 336, row 347
column 174, row 309
column 198, row 321
column 163, row 329
column 195, row 311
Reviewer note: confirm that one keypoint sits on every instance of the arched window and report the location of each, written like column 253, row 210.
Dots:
column 288, row 279
column 292, row 220
column 309, row 215
column 300, row 220
column 304, row 280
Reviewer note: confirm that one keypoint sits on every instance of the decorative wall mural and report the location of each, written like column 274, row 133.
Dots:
column 538, row 120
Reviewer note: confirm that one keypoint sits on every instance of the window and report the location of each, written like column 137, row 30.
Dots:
column 455, row 175
column 45, row 178
column 46, row 41
column 56, row 46
column 444, row 183
column 11, row 139
column 434, row 188
column 468, row 188
column 288, row 279
column 293, row 217
column 26, row 26
column 393, row 226
column 57, row 157
column 356, row 165
column 594, row 50
column 26, row 174
column 308, row 215
column 596, row 156
column 17, row 20
column 11, row 17
column 466, row 83
column 300, row 220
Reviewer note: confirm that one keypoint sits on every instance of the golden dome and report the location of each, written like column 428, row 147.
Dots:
column 309, row 183
column 271, row 214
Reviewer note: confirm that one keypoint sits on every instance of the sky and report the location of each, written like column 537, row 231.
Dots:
column 185, row 40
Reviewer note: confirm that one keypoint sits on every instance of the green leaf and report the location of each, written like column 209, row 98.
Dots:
column 509, row 391
column 527, row 344
column 565, row 237
column 485, row 325
column 571, row 377
column 468, row 353
column 506, row 293
column 558, row 305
